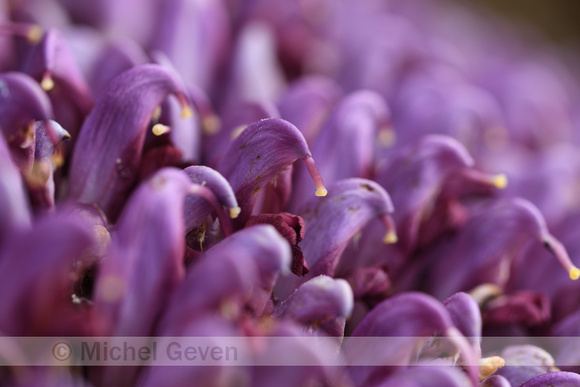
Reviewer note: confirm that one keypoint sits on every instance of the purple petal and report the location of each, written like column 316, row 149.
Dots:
column 307, row 103
column 414, row 316
column 425, row 376
column 144, row 263
column 332, row 221
column 320, row 301
column 352, row 129
column 234, row 121
column 114, row 58
column 525, row 362
column 235, row 274
column 14, row 211
column 145, row 260
column 512, row 224
column 259, row 154
column 22, row 102
column 465, row 314
column 202, row 27
column 106, row 158
column 495, row 381
column 36, row 268
column 52, row 64
column 554, row 379
column 196, row 208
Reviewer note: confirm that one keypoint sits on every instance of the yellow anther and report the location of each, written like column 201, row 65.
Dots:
column 159, row 129
column 47, row 82
column 234, row 212
column 390, row 238
column 574, row 273
column 500, row 181
column 321, row 191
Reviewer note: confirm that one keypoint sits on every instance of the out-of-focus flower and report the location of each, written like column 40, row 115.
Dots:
column 157, row 178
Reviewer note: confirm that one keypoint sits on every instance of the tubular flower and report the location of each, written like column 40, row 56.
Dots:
column 331, row 204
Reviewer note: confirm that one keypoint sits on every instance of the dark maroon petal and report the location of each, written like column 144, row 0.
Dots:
column 554, row 379
column 307, row 103
column 106, row 158
column 259, row 154
column 321, row 300
column 414, row 316
column 14, row 211
column 144, row 262
column 236, row 274
column 369, row 282
column 351, row 129
column 525, row 362
column 197, row 208
column 36, row 267
column 524, row 308
column 22, row 102
column 291, row 227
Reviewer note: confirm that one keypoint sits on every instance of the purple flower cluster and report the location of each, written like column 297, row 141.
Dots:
column 303, row 169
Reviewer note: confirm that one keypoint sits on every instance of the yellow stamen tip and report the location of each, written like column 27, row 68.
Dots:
column 234, row 212
column 47, row 83
column 387, row 137
column 237, row 131
column 321, row 191
column 489, row 365
column 159, row 129
column 35, row 34
column 390, row 238
column 211, row 125
column 500, row 181
column 186, row 112
column 574, row 273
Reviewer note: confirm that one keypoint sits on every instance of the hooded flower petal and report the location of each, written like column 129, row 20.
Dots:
column 145, row 260
column 332, row 221
column 351, row 129
column 554, row 379
column 511, row 225
column 35, row 268
column 413, row 316
column 524, row 362
column 465, row 314
column 14, row 212
column 22, row 102
column 495, row 381
column 236, row 274
column 320, row 303
column 259, row 154
column 196, row 208
column 106, row 158
column 52, row 64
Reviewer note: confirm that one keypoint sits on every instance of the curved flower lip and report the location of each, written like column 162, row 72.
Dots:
column 332, row 221
column 511, row 224
column 410, row 315
column 52, row 63
column 465, row 314
column 22, row 102
column 525, row 362
column 351, row 129
column 237, row 273
column 321, row 298
column 263, row 150
column 105, row 161
column 220, row 189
